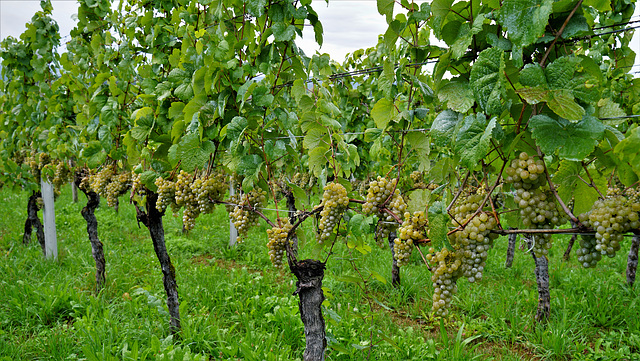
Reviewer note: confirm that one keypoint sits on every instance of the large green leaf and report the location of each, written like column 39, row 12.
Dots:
column 383, row 111
column 525, row 21
column 557, row 86
column 191, row 152
column 457, row 94
column 385, row 7
column 573, row 141
column 473, row 139
column 444, row 127
column 487, row 81
column 627, row 150
column 570, row 182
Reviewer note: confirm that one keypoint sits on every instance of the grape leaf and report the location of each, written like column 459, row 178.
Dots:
column 418, row 200
column 525, row 21
column 487, row 81
column 473, row 139
column 627, row 150
column 444, row 126
column 385, row 7
column 191, row 152
column 383, row 112
column 573, row 141
column 457, row 94
column 438, row 224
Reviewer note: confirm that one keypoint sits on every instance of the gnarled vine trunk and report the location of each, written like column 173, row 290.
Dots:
column 88, row 213
column 511, row 249
column 632, row 260
column 152, row 219
column 33, row 221
column 395, row 269
column 542, row 279
column 309, row 290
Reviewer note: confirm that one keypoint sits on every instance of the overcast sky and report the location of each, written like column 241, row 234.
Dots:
column 348, row 24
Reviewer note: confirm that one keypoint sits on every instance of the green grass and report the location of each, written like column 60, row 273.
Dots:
column 236, row 306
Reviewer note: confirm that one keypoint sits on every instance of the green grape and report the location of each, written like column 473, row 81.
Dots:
column 166, row 193
column 611, row 218
column 277, row 243
column 444, row 277
column 475, row 239
column 243, row 218
column 412, row 229
column 379, row 191
column 334, row 203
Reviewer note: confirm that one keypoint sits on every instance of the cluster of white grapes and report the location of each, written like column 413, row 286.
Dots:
column 244, row 218
column 418, row 181
column 444, row 277
column 117, row 187
column 277, row 242
column 538, row 209
column 379, row 191
column 166, row 195
column 110, row 185
column 334, row 202
column 196, row 193
column 475, row 239
column 611, row 218
column 588, row 255
column 62, row 175
column 413, row 229
column 303, row 180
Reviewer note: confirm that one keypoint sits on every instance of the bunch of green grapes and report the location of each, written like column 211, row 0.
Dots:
column 412, row 229
column 538, row 209
column 99, row 181
column 475, row 238
column 334, row 201
column 277, row 242
column 526, row 172
column 136, row 183
column 117, row 187
column 244, row 218
column 611, row 218
column 588, row 255
column 379, row 191
column 444, row 277
column 62, row 176
column 303, row 180
column 166, row 194
column 208, row 190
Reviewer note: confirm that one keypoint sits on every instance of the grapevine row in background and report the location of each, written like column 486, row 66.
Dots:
column 472, row 218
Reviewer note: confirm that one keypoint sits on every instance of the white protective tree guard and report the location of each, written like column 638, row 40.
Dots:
column 49, row 215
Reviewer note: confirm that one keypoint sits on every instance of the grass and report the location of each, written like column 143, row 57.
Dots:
column 236, row 306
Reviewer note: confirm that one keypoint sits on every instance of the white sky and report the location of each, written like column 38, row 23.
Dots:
column 348, row 24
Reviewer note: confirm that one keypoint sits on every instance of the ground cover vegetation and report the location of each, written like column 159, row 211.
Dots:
column 527, row 125
column 235, row 305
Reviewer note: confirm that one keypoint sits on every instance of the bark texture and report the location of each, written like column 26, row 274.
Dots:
column 88, row 213
column 395, row 269
column 33, row 221
column 511, row 249
column 632, row 260
column 567, row 253
column 309, row 289
column 291, row 206
column 542, row 279
column 152, row 219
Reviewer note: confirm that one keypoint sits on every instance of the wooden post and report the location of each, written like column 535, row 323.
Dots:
column 49, row 215
column 233, row 232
